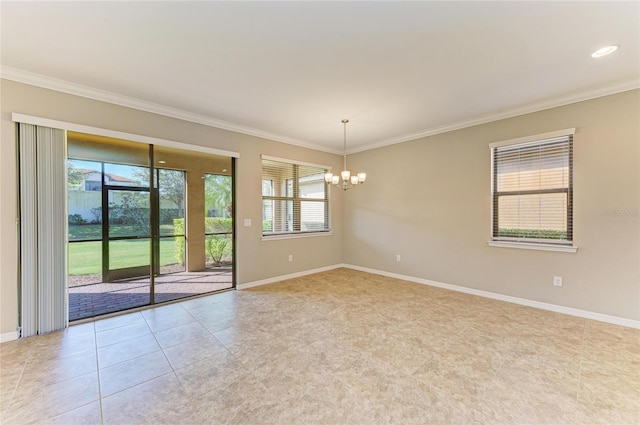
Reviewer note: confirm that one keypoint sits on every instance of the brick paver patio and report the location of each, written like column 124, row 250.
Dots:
column 100, row 298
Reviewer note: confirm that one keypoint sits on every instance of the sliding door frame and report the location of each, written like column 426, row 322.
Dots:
column 154, row 196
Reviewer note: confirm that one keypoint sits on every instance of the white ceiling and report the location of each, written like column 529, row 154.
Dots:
column 292, row 70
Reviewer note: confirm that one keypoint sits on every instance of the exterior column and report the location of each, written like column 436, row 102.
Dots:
column 194, row 226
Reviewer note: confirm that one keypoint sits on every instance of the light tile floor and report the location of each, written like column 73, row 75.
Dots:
column 341, row 347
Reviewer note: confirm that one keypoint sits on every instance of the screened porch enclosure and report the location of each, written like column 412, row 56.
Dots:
column 144, row 226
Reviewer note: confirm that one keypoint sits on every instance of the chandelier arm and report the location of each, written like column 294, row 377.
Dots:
column 342, row 183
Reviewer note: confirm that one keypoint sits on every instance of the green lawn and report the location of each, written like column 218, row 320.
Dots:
column 94, row 231
column 86, row 257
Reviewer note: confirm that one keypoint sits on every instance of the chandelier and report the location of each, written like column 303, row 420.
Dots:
column 345, row 180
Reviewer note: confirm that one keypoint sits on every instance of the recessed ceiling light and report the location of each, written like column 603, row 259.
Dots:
column 604, row 51
column 162, row 162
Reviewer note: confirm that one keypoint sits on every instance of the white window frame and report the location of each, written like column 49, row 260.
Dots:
column 527, row 244
column 299, row 234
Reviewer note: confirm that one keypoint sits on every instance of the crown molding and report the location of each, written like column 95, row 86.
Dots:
column 25, row 77
column 510, row 113
column 38, row 80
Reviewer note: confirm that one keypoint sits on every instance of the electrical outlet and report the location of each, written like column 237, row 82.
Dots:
column 557, row 281
column 398, row 257
column 290, row 257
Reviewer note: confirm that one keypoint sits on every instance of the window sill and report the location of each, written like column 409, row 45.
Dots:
column 296, row 236
column 534, row 246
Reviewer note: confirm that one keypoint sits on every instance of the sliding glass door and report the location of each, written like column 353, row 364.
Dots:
column 170, row 207
column 110, row 226
column 133, row 239
column 127, row 223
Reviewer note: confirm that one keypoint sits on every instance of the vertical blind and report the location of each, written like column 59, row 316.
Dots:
column 295, row 198
column 533, row 191
column 42, row 229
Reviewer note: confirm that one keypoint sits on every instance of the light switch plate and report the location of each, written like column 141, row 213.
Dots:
column 247, row 222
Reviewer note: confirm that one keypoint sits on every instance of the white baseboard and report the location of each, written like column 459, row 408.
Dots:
column 287, row 276
column 9, row 336
column 500, row 297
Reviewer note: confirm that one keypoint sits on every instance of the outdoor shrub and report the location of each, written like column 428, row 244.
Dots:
column 533, row 233
column 132, row 209
column 217, row 225
column 167, row 215
column 217, row 247
column 76, row 219
column 97, row 215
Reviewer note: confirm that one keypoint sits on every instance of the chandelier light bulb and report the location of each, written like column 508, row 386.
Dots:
column 348, row 180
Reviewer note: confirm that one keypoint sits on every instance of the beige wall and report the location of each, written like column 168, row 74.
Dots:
column 429, row 201
column 256, row 259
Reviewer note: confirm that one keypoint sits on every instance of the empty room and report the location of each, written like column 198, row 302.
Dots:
column 321, row 212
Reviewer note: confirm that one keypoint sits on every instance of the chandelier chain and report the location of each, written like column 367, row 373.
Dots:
column 345, row 180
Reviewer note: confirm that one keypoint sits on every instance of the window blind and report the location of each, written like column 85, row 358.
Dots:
column 294, row 198
column 43, row 230
column 533, row 191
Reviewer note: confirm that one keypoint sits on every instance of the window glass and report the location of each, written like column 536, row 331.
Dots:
column 532, row 191
column 294, row 198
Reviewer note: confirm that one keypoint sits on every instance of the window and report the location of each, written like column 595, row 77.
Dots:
column 532, row 190
column 295, row 197
column 93, row 186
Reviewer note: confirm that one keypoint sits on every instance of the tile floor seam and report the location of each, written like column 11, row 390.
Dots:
column 69, row 379
column 165, row 357
column 126, row 360
column 22, row 369
column 173, row 370
column 77, row 407
column 98, row 373
column 137, row 385
column 223, row 344
column 73, row 354
column 228, row 349
column 123, row 340
column 13, row 393
column 116, row 327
